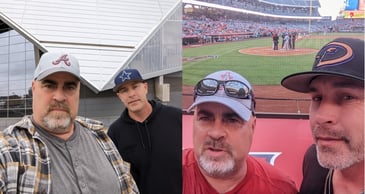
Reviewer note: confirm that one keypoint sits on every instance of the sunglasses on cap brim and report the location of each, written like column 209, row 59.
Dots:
column 232, row 88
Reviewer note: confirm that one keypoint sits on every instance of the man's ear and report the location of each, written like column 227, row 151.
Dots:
column 146, row 86
column 253, row 123
column 33, row 86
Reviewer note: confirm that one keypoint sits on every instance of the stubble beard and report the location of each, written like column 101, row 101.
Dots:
column 340, row 159
column 342, row 156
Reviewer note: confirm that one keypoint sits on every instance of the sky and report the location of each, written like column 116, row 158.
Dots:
column 330, row 7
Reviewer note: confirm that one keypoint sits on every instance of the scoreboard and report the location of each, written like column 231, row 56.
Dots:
column 354, row 9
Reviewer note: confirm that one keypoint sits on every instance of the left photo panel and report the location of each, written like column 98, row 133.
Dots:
column 90, row 97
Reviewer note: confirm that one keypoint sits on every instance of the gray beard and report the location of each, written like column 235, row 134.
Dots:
column 58, row 123
column 217, row 168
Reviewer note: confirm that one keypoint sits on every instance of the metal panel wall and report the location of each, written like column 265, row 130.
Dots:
column 104, row 35
column 88, row 22
column 163, row 52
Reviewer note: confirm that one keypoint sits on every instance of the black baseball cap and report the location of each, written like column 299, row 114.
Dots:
column 126, row 76
column 341, row 57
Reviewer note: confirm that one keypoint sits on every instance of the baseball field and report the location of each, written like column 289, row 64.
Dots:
column 260, row 64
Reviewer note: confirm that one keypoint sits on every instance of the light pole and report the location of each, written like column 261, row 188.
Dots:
column 310, row 15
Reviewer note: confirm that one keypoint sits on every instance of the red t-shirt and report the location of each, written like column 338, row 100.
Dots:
column 261, row 178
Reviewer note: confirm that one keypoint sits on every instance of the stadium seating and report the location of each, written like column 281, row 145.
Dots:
column 275, row 7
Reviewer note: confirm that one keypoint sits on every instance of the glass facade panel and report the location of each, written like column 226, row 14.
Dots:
column 163, row 51
column 17, row 65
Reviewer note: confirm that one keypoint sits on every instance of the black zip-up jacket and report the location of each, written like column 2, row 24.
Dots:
column 153, row 148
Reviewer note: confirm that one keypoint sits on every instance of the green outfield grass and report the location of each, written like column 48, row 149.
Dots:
column 260, row 70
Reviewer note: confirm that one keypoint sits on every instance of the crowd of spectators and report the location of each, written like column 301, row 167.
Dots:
column 301, row 3
column 348, row 25
column 285, row 7
column 207, row 25
column 204, row 29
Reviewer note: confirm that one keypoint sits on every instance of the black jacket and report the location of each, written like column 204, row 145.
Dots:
column 314, row 175
column 153, row 148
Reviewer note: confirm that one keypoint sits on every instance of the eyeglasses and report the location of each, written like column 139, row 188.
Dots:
column 232, row 88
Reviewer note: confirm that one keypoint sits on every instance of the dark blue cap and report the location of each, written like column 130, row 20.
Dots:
column 342, row 57
column 125, row 76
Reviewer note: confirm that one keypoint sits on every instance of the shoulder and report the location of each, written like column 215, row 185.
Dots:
column 16, row 139
column 311, row 154
column 272, row 176
column 115, row 127
column 166, row 107
column 172, row 111
column 310, row 162
column 314, row 175
column 20, row 129
column 188, row 158
column 167, row 110
column 123, row 121
column 91, row 124
column 116, row 123
column 173, row 108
